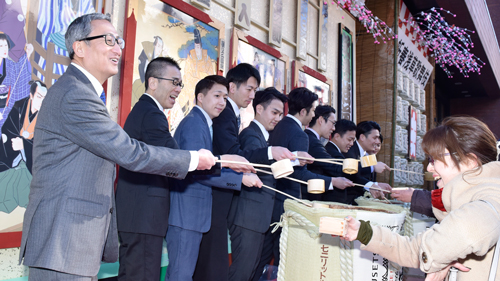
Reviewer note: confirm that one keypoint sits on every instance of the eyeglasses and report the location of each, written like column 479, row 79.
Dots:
column 431, row 160
column 110, row 40
column 175, row 82
column 333, row 122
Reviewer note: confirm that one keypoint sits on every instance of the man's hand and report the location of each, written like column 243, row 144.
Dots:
column 250, row 180
column 280, row 153
column 441, row 275
column 380, row 167
column 207, row 160
column 240, row 168
column 17, row 144
column 402, row 194
column 341, row 183
column 304, row 154
column 379, row 194
column 385, row 186
column 352, row 229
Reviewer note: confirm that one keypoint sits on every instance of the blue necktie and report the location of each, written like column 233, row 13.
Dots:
column 239, row 121
column 212, row 132
column 103, row 97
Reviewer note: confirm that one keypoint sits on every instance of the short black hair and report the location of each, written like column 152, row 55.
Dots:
column 343, row 126
column 381, row 138
column 156, row 68
column 35, row 84
column 206, row 84
column 300, row 98
column 321, row 111
column 265, row 97
column 366, row 128
column 241, row 73
column 5, row 37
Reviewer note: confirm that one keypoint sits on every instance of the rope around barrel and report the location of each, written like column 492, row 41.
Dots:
column 346, row 266
column 312, row 229
column 345, row 247
column 408, row 228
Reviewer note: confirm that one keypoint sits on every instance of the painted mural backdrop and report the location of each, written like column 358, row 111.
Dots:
column 271, row 70
column 317, row 86
column 166, row 31
column 27, row 70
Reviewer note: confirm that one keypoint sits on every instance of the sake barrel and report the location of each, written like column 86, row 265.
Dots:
column 305, row 254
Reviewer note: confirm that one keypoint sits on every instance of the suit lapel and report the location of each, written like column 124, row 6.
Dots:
column 72, row 70
column 291, row 120
column 229, row 107
column 205, row 130
column 357, row 153
column 148, row 99
column 256, row 128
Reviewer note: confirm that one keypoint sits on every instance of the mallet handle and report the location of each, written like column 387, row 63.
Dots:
column 286, row 194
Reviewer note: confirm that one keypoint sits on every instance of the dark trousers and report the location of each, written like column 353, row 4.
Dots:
column 140, row 256
column 246, row 249
column 213, row 260
column 270, row 249
column 44, row 274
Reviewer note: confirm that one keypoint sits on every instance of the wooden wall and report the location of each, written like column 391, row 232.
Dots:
column 375, row 79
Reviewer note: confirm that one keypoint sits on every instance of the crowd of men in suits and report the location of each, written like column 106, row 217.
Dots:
column 173, row 188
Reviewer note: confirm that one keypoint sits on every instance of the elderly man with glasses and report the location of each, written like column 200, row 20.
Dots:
column 70, row 224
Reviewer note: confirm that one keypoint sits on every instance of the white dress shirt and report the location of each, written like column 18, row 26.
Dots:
column 262, row 129
column 237, row 113
column 95, row 83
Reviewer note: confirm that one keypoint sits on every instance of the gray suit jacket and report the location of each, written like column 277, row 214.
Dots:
column 191, row 198
column 69, row 224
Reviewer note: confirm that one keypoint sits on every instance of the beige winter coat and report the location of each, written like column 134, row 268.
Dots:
column 467, row 232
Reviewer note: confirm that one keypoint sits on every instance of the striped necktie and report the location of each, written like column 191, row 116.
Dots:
column 239, row 121
column 103, row 97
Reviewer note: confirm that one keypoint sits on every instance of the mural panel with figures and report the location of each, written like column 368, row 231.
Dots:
column 32, row 56
column 314, row 81
column 164, row 30
column 271, row 64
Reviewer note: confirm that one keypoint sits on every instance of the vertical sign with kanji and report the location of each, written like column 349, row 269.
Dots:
column 412, row 56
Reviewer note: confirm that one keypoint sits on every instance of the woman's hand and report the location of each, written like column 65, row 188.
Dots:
column 441, row 275
column 352, row 228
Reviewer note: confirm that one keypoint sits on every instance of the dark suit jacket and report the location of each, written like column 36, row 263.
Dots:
column 317, row 150
column 191, row 198
column 226, row 141
column 347, row 195
column 289, row 134
column 253, row 207
column 142, row 200
column 70, row 223
column 225, row 128
column 355, row 153
column 363, row 176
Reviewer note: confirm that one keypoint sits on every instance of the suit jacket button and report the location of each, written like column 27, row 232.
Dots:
column 111, row 210
column 424, row 257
